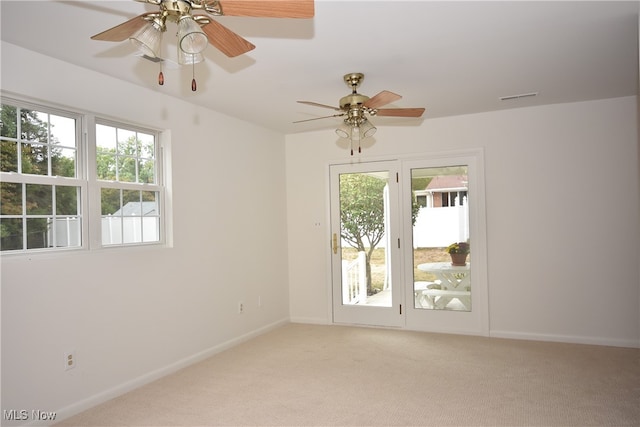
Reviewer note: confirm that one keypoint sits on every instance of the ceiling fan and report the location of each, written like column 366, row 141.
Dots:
column 196, row 30
column 355, row 108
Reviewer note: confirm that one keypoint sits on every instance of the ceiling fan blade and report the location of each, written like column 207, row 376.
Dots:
column 225, row 40
column 318, row 118
column 123, row 31
column 400, row 112
column 383, row 98
column 315, row 104
column 269, row 8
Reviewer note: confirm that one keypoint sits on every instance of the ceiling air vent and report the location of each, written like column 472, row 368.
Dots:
column 522, row 95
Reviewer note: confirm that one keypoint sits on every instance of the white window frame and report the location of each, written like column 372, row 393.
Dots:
column 97, row 184
column 86, row 176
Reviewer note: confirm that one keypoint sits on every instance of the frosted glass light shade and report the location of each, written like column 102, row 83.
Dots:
column 367, row 129
column 344, row 131
column 191, row 38
column 147, row 39
column 185, row 58
column 355, row 133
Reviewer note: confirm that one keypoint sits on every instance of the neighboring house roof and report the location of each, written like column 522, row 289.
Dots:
column 133, row 208
column 446, row 182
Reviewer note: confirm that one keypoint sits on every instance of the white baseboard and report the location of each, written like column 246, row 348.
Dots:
column 310, row 320
column 123, row 388
column 573, row 339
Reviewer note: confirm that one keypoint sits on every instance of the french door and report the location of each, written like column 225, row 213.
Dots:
column 392, row 225
column 365, row 244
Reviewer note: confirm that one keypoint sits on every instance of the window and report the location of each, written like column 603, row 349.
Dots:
column 40, row 203
column 127, row 178
column 452, row 198
column 46, row 188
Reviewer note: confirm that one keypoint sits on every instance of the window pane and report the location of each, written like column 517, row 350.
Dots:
column 38, row 232
column 131, row 203
column 35, row 159
column 111, row 230
column 132, row 229
column 106, row 166
column 440, row 229
column 63, row 162
column 105, row 139
column 34, row 126
column 39, row 199
column 63, row 131
column 150, row 199
column 146, row 146
column 150, row 229
column 109, row 201
column 68, row 231
column 146, row 170
column 67, row 198
column 363, row 205
column 127, row 143
column 126, row 169
column 10, row 234
column 10, row 198
column 8, row 156
column 9, row 120
column 151, row 219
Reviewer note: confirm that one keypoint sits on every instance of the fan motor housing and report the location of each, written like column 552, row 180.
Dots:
column 352, row 100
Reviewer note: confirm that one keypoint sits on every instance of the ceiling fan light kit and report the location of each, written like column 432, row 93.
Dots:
column 355, row 107
column 196, row 31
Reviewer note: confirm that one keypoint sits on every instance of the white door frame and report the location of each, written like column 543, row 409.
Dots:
column 391, row 316
column 475, row 322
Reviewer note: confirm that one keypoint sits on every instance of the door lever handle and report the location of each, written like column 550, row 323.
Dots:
column 335, row 243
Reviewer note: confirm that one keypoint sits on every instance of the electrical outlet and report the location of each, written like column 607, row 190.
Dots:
column 240, row 307
column 69, row 360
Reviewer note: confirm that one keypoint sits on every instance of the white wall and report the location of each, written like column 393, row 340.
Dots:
column 568, row 177
column 133, row 314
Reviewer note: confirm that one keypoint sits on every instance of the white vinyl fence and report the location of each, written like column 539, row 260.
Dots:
column 115, row 230
column 439, row 227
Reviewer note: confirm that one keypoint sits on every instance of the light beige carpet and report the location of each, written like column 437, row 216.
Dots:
column 308, row 375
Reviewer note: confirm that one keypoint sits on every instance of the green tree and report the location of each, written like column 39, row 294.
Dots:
column 37, row 150
column 362, row 214
column 124, row 159
column 130, row 153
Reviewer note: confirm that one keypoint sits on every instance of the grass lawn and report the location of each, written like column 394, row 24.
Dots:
column 420, row 256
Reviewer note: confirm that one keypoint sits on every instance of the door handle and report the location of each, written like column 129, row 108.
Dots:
column 335, row 243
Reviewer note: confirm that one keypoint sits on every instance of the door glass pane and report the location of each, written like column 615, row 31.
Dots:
column 440, row 214
column 364, row 215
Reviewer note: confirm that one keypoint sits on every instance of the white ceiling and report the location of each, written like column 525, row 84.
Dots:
column 451, row 57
